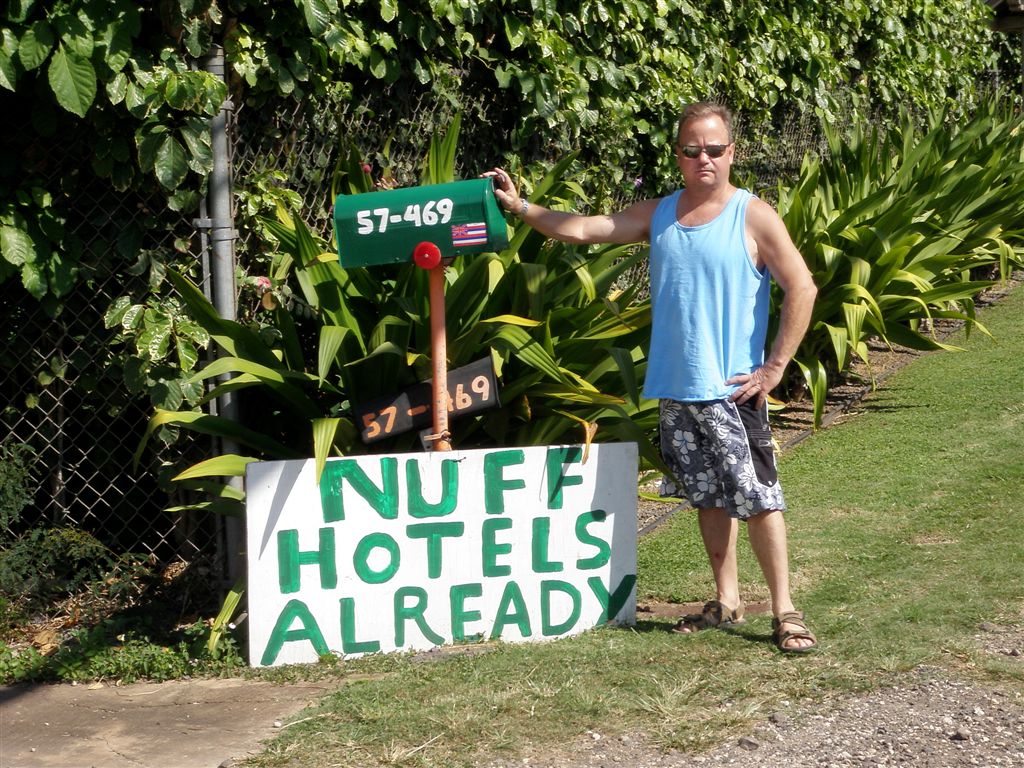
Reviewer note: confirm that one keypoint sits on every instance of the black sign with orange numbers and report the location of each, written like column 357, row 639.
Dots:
column 470, row 388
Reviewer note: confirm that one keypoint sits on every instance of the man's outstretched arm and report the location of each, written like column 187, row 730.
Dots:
column 630, row 225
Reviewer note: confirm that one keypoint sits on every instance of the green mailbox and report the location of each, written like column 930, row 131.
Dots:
column 387, row 227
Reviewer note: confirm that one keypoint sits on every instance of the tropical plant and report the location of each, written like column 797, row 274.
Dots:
column 117, row 80
column 892, row 224
column 16, row 484
column 566, row 344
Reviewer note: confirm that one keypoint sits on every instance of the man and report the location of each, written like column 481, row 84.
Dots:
column 714, row 250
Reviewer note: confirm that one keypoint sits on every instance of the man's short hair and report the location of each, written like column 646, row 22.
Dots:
column 703, row 109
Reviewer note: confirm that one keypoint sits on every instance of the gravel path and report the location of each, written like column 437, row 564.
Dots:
column 930, row 722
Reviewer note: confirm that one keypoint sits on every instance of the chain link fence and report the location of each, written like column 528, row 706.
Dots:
column 63, row 389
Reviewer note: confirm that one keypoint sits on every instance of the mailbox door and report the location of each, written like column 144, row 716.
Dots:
column 460, row 217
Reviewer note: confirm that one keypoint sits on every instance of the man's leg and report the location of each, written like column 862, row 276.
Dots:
column 767, row 532
column 719, row 531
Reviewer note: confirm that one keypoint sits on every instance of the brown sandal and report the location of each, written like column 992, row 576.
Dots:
column 715, row 615
column 780, row 637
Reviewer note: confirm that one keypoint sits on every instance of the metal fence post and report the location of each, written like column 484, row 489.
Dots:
column 221, row 226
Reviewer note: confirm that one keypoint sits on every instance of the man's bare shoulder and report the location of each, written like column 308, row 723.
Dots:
column 644, row 207
column 761, row 213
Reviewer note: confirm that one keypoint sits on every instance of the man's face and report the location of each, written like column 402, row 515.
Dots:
column 708, row 134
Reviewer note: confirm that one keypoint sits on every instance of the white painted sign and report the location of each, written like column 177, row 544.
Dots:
column 411, row 551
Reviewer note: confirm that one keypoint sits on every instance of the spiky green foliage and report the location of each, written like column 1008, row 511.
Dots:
column 896, row 224
column 567, row 345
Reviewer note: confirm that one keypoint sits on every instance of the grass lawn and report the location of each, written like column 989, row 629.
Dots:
column 906, row 533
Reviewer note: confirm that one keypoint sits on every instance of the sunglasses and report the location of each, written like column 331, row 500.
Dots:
column 693, row 151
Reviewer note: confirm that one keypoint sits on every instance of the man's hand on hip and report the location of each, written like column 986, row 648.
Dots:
column 758, row 383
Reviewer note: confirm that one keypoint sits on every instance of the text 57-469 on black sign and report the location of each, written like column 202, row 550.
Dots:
column 470, row 388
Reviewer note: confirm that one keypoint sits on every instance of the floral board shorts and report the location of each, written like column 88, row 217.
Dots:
column 721, row 455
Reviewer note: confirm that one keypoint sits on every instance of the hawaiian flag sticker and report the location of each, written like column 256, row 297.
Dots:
column 469, row 234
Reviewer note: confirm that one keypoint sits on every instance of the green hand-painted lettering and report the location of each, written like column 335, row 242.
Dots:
column 294, row 609
column 349, row 644
column 384, row 499
column 558, row 477
column 361, row 556
column 460, row 616
column 290, row 558
column 604, row 550
column 434, row 533
column 418, row 506
column 415, row 612
column 547, row 588
column 541, row 539
column 520, row 616
column 612, row 603
column 490, row 548
column 495, row 483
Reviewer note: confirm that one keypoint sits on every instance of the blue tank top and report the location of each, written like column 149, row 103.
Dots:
column 709, row 304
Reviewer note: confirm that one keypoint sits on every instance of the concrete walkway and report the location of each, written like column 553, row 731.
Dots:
column 178, row 724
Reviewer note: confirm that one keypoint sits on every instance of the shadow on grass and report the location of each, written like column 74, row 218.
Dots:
column 155, row 634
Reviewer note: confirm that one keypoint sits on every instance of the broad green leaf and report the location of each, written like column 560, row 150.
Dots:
column 225, row 507
column 16, row 246
column 439, row 166
column 466, row 299
column 117, row 88
column 117, row 39
column 579, row 396
column 534, row 278
column 188, row 356
column 275, row 379
column 525, row 322
column 223, row 620
column 515, row 31
column 817, row 384
column 631, row 320
column 840, row 343
column 225, row 465
column 319, row 14
column 75, row 32
column 196, row 134
column 215, row 426
column 8, row 50
column 627, row 370
column 221, row 490
column 73, row 81
column 324, row 431
column 132, row 317
column 857, row 291
column 61, row 270
column 955, row 290
column 378, row 64
column 171, row 163
column 112, row 317
column 232, row 337
column 154, row 341
column 897, row 333
column 854, row 316
column 331, row 338
column 516, row 341
column 149, row 138
column 35, row 45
